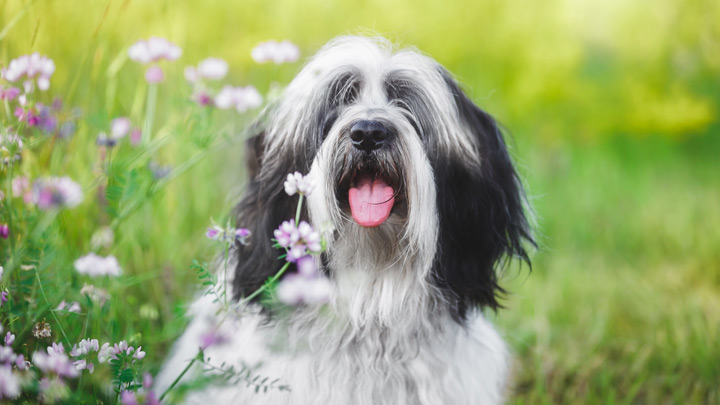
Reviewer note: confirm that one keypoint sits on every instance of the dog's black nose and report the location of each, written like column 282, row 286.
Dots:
column 368, row 135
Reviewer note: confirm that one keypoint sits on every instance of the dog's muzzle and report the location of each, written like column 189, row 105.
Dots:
column 368, row 135
column 370, row 179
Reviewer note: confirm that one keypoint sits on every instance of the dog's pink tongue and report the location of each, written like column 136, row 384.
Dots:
column 371, row 202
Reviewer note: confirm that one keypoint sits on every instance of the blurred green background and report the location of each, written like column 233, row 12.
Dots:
column 612, row 110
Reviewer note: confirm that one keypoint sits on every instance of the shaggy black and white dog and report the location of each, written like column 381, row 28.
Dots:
column 410, row 275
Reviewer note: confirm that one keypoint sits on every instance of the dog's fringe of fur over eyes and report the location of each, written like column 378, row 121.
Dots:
column 404, row 322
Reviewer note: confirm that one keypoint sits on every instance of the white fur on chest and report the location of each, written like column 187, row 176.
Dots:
column 455, row 365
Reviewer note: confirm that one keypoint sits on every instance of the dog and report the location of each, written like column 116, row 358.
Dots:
column 404, row 323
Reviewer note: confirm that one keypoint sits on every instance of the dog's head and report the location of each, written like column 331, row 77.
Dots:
column 408, row 169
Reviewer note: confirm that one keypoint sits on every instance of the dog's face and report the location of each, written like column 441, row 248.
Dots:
column 409, row 171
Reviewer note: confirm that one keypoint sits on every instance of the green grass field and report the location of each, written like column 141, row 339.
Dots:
column 612, row 111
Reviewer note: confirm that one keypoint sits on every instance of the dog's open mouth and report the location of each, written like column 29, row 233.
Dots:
column 371, row 200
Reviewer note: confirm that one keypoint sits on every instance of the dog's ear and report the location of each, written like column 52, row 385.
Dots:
column 263, row 207
column 481, row 212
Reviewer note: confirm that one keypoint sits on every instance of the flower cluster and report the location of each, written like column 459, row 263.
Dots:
column 96, row 294
column 297, row 183
column 240, row 98
column 228, row 235
column 108, row 352
column 132, row 398
column 9, row 93
column 277, row 52
column 30, row 67
column 9, row 380
column 119, row 128
column 296, row 289
column 10, row 142
column 73, row 307
column 94, row 265
column 21, row 187
column 153, row 50
column 208, row 69
column 298, row 241
column 81, row 350
column 56, row 192
column 56, row 362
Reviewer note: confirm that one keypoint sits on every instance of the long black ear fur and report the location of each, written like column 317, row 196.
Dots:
column 263, row 207
column 482, row 218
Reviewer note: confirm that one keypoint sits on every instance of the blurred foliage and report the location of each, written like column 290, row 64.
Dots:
column 613, row 109
column 565, row 68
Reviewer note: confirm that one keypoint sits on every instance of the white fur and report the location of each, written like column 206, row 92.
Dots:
column 386, row 336
column 448, row 364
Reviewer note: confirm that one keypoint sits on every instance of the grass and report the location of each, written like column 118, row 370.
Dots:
column 615, row 137
column 623, row 301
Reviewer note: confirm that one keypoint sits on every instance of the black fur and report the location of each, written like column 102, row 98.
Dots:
column 481, row 213
column 264, row 206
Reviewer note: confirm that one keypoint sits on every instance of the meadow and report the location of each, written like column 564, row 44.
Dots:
column 610, row 109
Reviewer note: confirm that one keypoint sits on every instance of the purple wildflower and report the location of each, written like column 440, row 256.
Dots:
column 147, row 381
column 28, row 115
column 310, row 237
column 154, row 49
column 277, row 52
column 296, row 289
column 298, row 241
column 9, row 339
column 119, row 127
column 20, row 362
column 67, row 129
column 135, row 137
column 30, row 66
column 84, row 347
column 47, row 122
column 297, row 183
column 240, row 98
column 94, row 265
column 4, row 233
column 154, row 74
column 9, row 383
column 9, row 93
column 212, row 338
column 128, row 398
column 210, row 69
column 96, row 294
column 203, row 98
column 214, row 233
column 55, row 362
column 3, row 298
column 56, row 192
column 105, row 353
column 287, row 233
column 81, row 349
column 306, row 266
column 7, row 355
column 241, row 235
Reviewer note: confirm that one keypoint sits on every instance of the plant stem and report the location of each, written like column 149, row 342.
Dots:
column 264, row 286
column 177, row 380
column 297, row 211
column 149, row 113
column 225, row 279
column 52, row 312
